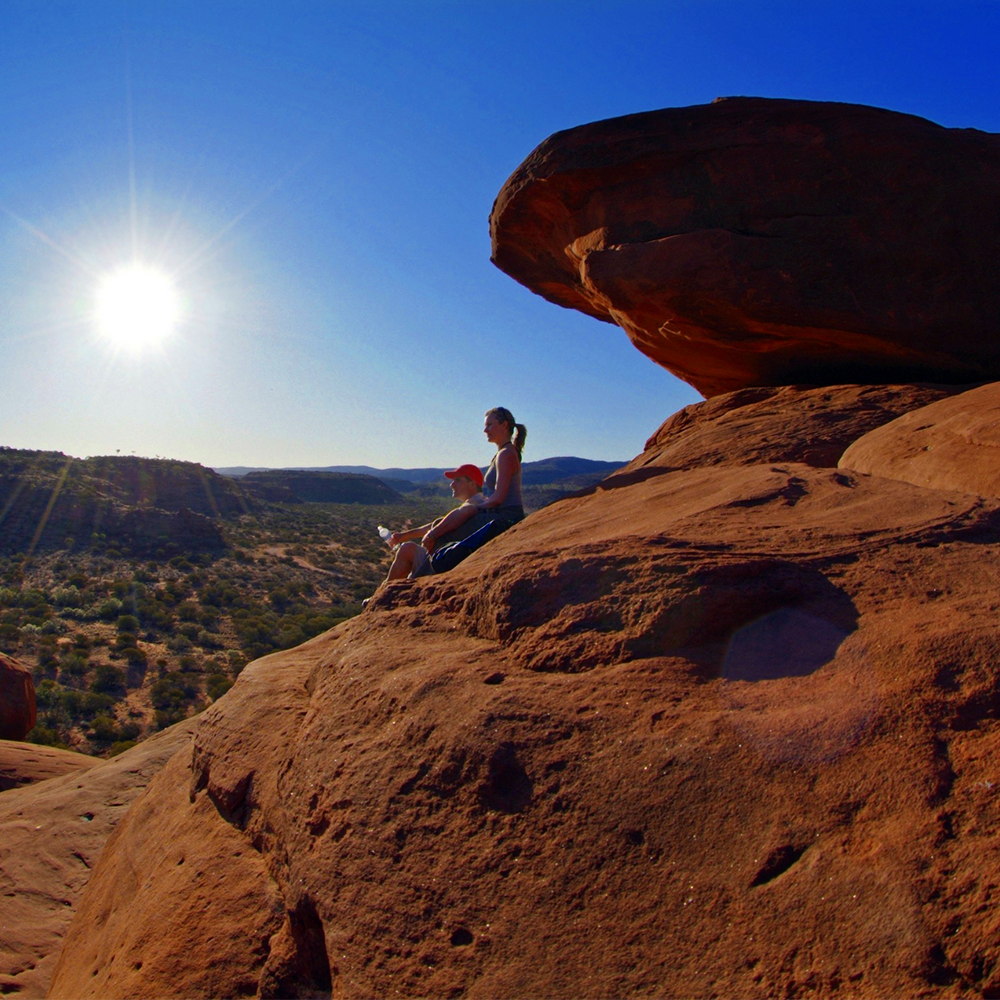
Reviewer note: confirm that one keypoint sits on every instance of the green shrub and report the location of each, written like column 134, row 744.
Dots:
column 91, row 703
column 291, row 636
column 168, row 717
column 67, row 597
column 216, row 685
column 109, row 609
column 47, row 694
column 46, row 652
column 173, row 692
column 237, row 661
column 74, row 665
column 45, row 736
column 107, row 679
column 104, row 728
column 9, row 637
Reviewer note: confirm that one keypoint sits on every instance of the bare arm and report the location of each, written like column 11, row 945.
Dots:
column 452, row 520
column 411, row 534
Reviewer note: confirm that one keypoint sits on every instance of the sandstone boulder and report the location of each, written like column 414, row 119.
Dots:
column 952, row 444
column 17, row 700
column 727, row 729
column 51, row 834
column 26, row 763
column 769, row 242
column 751, row 426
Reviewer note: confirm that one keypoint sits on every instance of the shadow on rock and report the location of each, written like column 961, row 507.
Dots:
column 786, row 643
column 507, row 787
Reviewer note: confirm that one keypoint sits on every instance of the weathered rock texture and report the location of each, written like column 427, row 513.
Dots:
column 722, row 727
column 51, row 835
column 17, row 700
column 767, row 242
column 951, row 445
column 26, row 763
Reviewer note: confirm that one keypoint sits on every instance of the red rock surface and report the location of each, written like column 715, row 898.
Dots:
column 728, row 729
column 51, row 835
column 26, row 763
column 809, row 424
column 17, row 700
column 953, row 444
column 769, row 242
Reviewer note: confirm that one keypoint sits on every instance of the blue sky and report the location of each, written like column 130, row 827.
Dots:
column 318, row 177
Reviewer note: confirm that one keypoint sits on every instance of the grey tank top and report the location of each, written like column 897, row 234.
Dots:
column 513, row 499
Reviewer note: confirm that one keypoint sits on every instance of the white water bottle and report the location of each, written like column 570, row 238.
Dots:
column 384, row 533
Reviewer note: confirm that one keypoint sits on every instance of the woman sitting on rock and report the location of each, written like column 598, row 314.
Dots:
column 450, row 539
column 491, row 514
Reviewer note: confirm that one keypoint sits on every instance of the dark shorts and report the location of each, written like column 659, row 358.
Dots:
column 449, row 555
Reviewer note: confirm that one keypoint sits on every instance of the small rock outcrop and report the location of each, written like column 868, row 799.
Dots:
column 952, row 444
column 18, row 711
column 27, row 763
column 769, row 242
column 52, row 831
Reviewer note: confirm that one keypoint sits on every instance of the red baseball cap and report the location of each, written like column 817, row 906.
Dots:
column 472, row 472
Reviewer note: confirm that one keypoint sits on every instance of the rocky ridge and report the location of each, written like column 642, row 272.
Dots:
column 291, row 485
column 142, row 505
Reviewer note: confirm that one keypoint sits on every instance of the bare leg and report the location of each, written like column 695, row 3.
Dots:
column 403, row 562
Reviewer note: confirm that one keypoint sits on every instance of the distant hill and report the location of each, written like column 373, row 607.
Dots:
column 135, row 504
column 542, row 473
column 556, row 470
column 300, row 485
column 405, row 475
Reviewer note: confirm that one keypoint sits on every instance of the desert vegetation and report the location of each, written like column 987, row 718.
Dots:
column 123, row 645
column 137, row 589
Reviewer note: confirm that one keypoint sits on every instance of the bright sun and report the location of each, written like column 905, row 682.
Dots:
column 137, row 307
